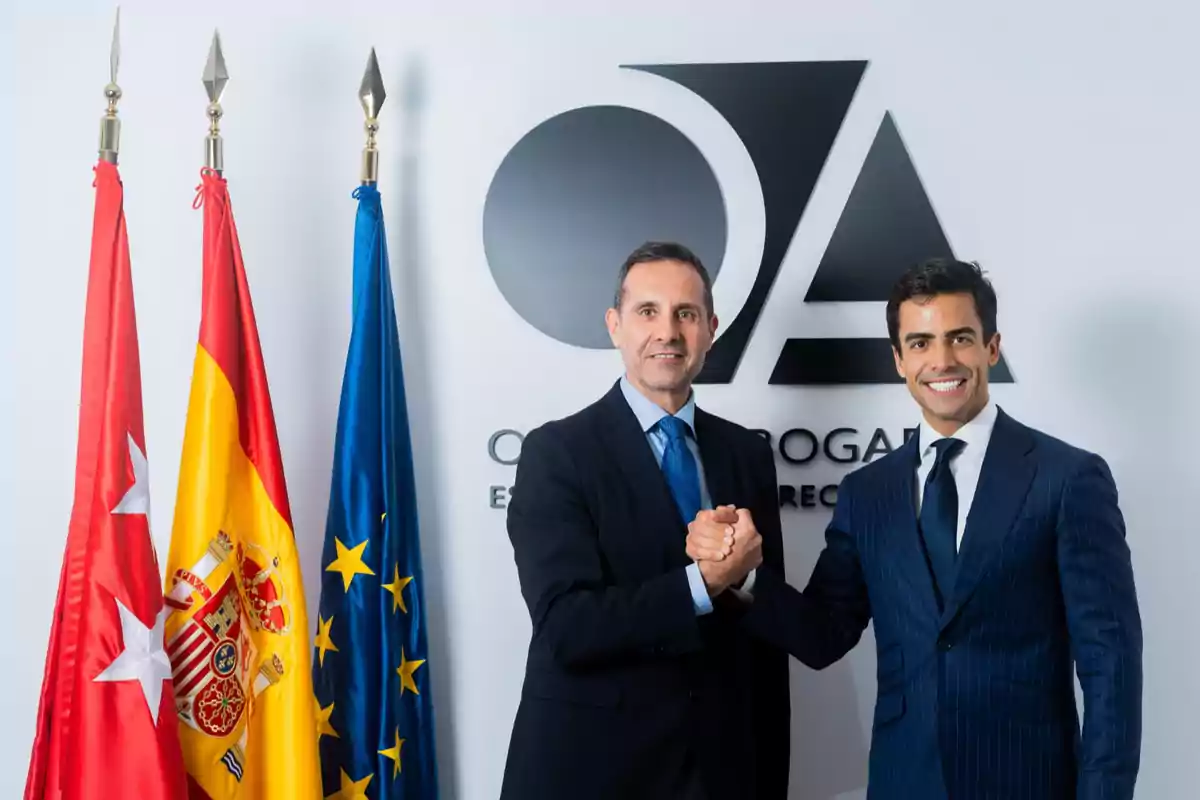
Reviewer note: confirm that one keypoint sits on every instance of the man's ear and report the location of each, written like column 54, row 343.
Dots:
column 612, row 320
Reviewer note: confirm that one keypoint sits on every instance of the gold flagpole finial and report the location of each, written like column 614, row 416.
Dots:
column 371, row 95
column 215, row 78
column 110, row 126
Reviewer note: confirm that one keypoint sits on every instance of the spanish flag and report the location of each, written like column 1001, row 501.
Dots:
column 237, row 635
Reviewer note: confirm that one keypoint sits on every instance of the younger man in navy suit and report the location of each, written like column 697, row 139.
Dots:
column 992, row 559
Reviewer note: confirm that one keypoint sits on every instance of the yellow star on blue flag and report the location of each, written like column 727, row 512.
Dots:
column 372, row 611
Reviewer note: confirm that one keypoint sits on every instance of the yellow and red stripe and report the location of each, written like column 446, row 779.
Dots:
column 232, row 502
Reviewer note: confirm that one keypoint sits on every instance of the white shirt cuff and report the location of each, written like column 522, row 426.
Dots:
column 748, row 585
column 700, row 599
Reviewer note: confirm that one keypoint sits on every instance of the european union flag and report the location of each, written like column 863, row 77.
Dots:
column 370, row 674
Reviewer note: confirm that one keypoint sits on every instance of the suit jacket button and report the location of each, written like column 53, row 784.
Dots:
column 946, row 646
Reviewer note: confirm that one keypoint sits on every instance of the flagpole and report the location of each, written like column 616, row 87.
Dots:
column 375, row 734
column 371, row 94
column 249, row 726
column 110, row 126
column 105, row 715
column 215, row 78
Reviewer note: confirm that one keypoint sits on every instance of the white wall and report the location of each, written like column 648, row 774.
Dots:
column 1056, row 142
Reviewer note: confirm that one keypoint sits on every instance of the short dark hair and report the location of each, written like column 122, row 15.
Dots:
column 663, row 251
column 943, row 276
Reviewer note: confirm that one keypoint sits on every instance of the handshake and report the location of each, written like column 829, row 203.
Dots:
column 725, row 545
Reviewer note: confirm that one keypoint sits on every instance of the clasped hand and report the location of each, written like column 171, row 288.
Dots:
column 726, row 545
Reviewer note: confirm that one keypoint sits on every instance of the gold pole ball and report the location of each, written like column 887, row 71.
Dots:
column 371, row 126
column 214, row 111
column 112, row 93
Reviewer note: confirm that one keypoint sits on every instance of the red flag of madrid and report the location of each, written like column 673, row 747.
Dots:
column 106, row 722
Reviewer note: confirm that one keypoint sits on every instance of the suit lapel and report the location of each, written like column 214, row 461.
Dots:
column 651, row 496
column 1003, row 482
column 716, row 461
column 899, row 524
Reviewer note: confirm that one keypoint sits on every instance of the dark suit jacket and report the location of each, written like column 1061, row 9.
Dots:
column 626, row 689
column 977, row 700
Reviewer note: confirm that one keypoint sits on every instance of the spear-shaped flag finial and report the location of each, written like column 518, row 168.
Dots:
column 371, row 94
column 114, row 56
column 215, row 78
column 215, row 73
column 110, row 126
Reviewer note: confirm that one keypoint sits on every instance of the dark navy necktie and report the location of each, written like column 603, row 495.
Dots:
column 939, row 516
column 679, row 468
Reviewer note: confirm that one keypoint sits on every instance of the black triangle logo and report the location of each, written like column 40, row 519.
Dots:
column 887, row 225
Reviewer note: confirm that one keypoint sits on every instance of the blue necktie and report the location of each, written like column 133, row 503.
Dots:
column 939, row 516
column 679, row 468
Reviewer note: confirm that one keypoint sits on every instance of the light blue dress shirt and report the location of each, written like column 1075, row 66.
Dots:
column 648, row 414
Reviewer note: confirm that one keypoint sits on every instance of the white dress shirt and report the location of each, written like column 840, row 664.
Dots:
column 648, row 414
column 965, row 467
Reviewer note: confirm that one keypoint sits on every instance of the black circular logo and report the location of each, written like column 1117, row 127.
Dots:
column 576, row 195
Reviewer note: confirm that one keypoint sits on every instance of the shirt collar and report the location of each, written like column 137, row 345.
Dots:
column 975, row 434
column 648, row 412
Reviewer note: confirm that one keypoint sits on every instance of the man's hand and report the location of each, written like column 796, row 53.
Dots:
column 724, row 564
column 710, row 535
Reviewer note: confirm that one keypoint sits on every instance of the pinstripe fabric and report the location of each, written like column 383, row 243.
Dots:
column 977, row 701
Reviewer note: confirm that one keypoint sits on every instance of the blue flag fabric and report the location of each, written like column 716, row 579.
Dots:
column 370, row 670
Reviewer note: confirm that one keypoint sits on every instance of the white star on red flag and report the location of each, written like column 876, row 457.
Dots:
column 137, row 498
column 143, row 659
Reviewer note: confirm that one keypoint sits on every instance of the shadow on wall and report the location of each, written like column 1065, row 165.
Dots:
column 1131, row 361
column 1124, row 351
column 1130, row 364
column 320, row 330
column 829, row 751
column 829, row 748
column 408, row 267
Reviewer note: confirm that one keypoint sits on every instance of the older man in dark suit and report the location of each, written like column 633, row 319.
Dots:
column 640, row 680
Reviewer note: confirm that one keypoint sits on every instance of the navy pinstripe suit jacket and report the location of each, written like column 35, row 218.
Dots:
column 976, row 699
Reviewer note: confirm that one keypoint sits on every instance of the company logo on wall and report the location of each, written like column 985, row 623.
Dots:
column 586, row 186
